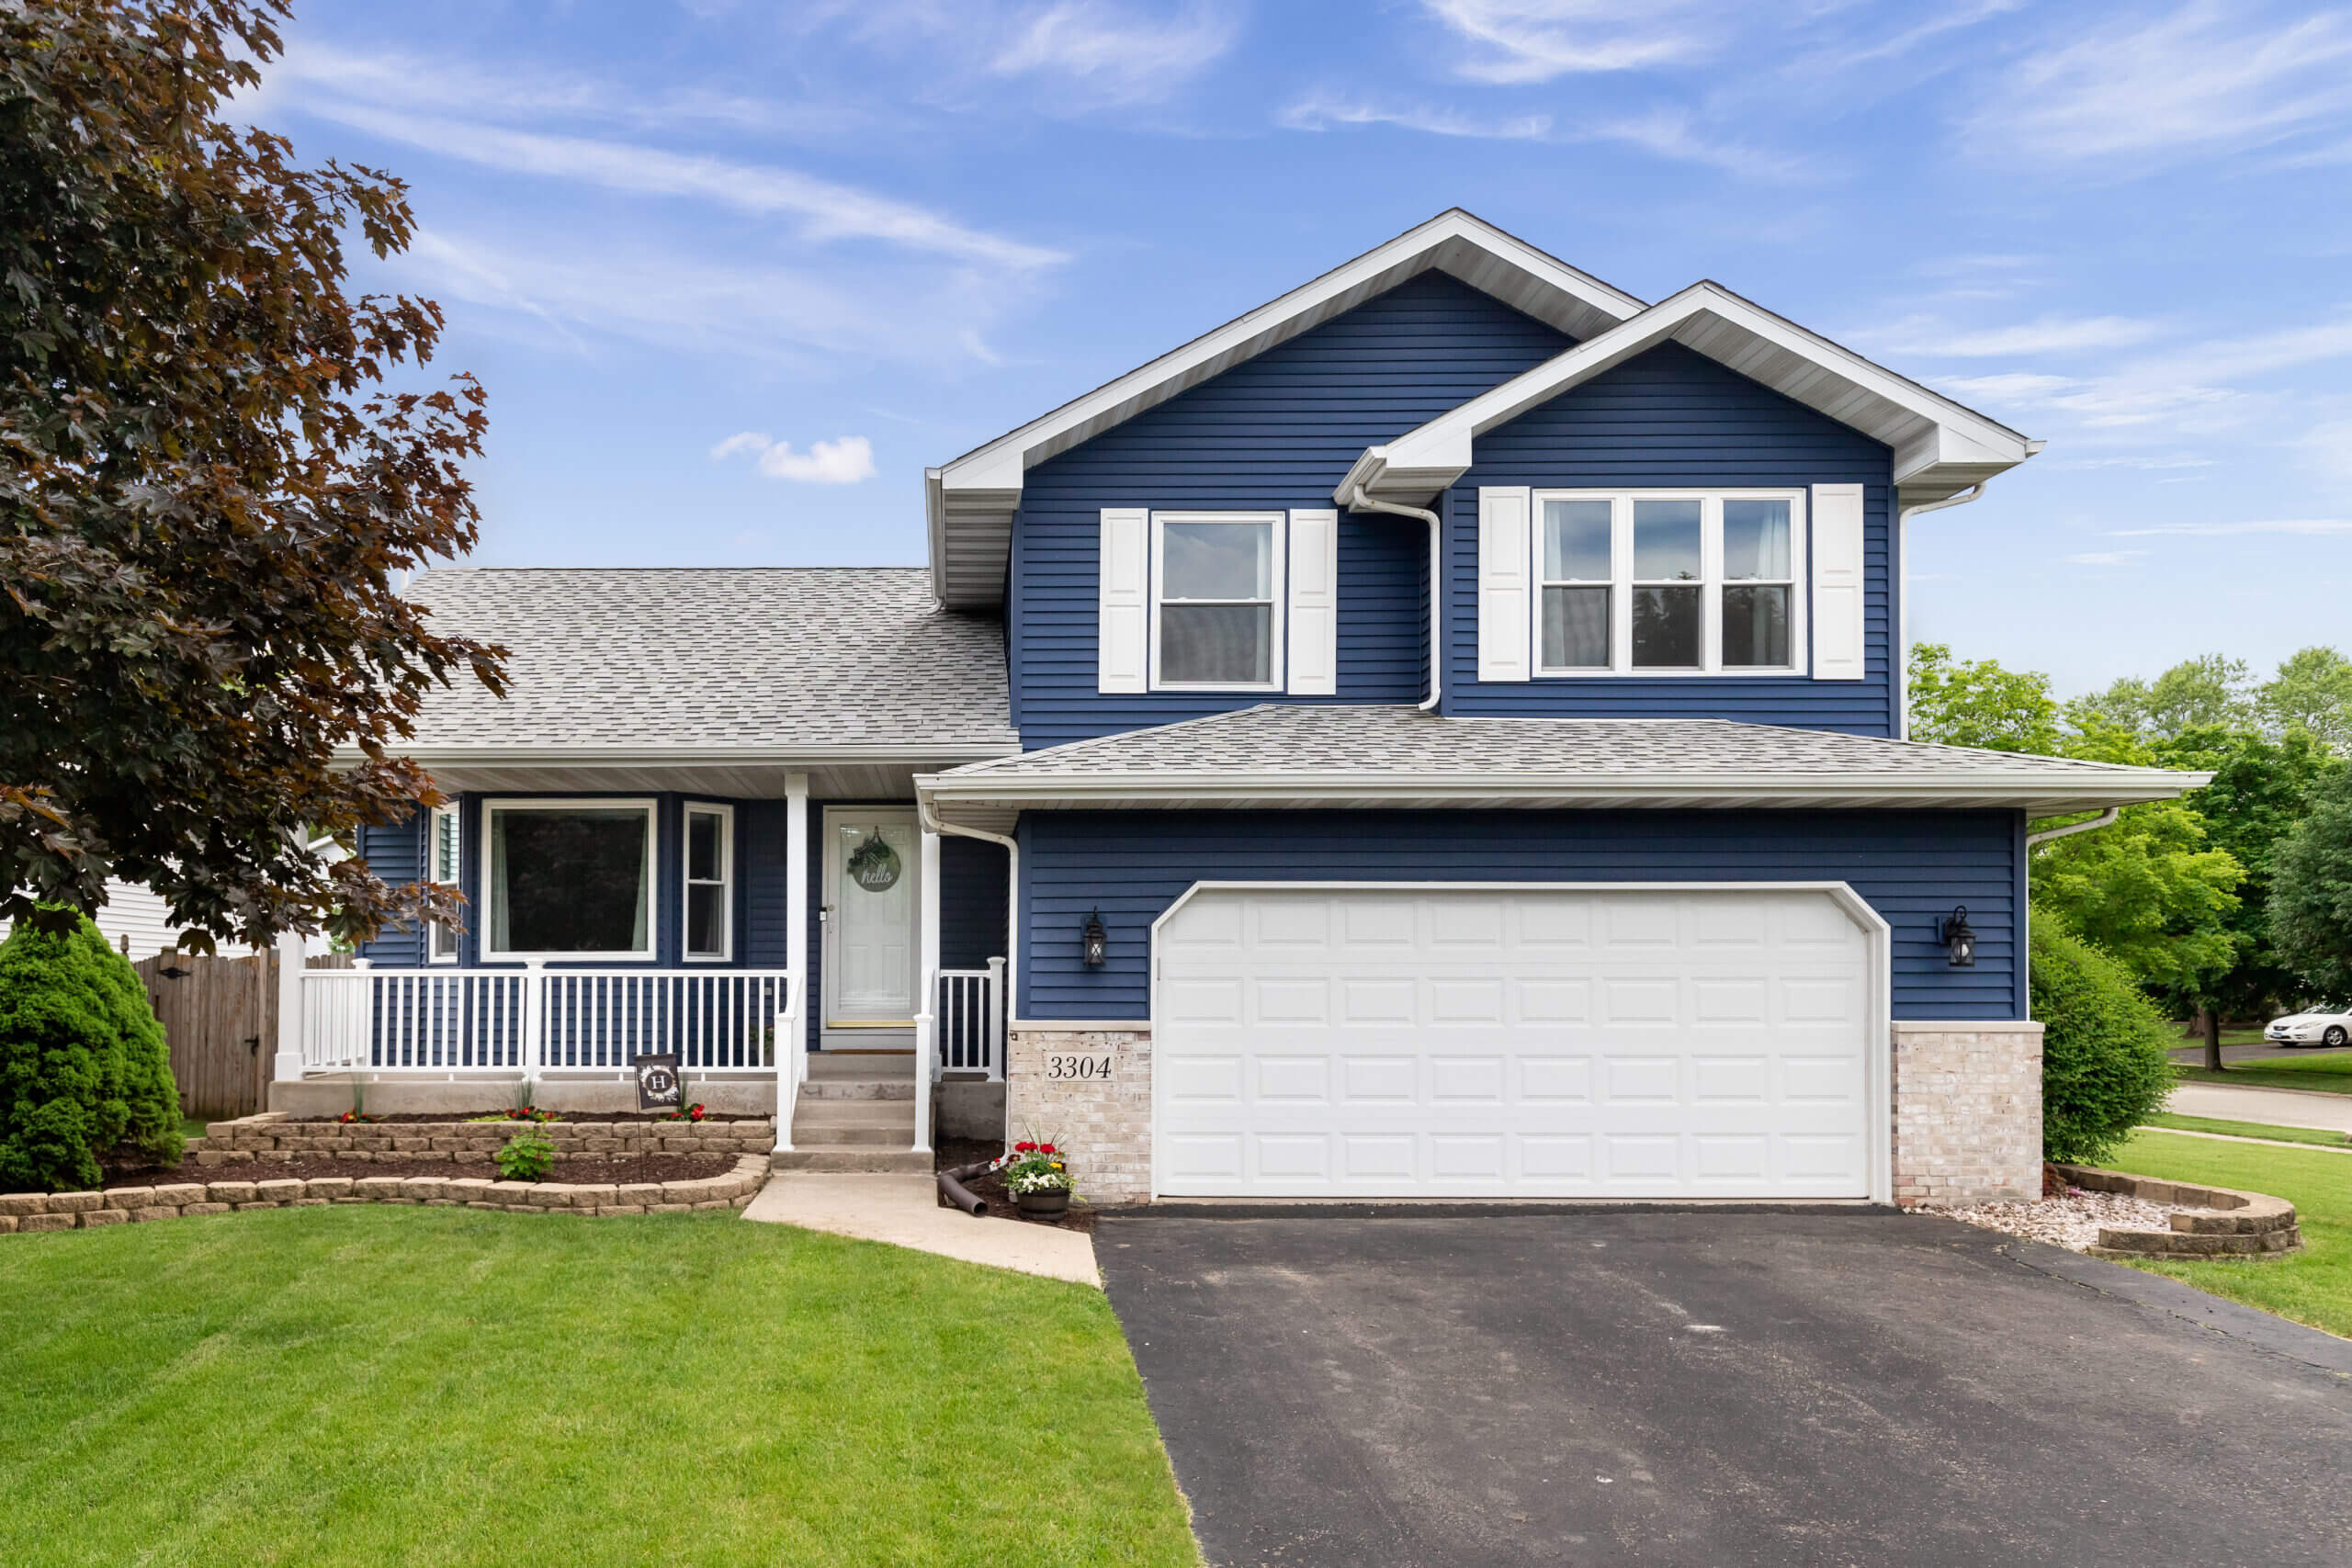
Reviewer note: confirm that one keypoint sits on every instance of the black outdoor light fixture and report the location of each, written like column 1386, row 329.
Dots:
column 1095, row 942
column 1958, row 936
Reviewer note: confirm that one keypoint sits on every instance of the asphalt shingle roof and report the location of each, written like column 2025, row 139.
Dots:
column 1259, row 751
column 671, row 656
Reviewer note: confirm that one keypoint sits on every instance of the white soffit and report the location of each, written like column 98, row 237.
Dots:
column 971, row 500
column 1940, row 447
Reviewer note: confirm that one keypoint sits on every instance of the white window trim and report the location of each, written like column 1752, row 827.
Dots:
column 1711, row 583
column 726, row 883
column 433, row 821
column 653, row 880
column 1278, row 523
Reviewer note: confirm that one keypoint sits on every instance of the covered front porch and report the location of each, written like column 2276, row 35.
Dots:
column 748, row 920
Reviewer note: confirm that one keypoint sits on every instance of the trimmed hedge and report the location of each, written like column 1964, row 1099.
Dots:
column 2104, row 1067
column 83, row 1066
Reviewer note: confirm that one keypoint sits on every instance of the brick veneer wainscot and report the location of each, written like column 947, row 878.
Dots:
column 1967, row 1113
column 1104, row 1123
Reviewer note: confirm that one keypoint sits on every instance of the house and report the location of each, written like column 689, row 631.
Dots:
column 1438, row 735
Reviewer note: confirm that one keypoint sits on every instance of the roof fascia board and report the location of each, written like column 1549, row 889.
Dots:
column 688, row 756
column 2127, row 786
column 1950, row 434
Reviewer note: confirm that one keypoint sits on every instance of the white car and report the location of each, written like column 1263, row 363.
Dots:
column 2320, row 1026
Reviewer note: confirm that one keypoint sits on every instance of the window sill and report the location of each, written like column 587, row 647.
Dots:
column 1266, row 689
column 1738, row 672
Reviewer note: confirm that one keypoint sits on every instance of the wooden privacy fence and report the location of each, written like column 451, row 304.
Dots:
column 220, row 1017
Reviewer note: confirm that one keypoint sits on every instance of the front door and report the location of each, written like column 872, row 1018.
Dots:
column 872, row 897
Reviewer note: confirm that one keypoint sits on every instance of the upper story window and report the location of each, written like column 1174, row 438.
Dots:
column 1216, row 602
column 567, row 879
column 1667, row 583
column 441, row 865
column 710, row 881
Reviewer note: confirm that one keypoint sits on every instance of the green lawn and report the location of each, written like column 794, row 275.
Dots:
column 2322, row 1135
column 2313, row 1286
column 2331, row 1073
column 427, row 1386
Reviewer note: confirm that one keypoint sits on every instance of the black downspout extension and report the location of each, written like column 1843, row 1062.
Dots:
column 952, row 1188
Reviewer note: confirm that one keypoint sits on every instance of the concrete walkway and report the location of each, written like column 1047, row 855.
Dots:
column 904, row 1212
column 2279, row 1107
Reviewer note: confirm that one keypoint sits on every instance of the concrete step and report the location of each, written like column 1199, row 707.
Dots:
column 898, row 1112
column 836, row 1157
column 864, row 1134
column 857, row 1089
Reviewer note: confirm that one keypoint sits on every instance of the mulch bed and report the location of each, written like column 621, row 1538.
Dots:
column 989, row 1188
column 578, row 1172
column 445, row 1117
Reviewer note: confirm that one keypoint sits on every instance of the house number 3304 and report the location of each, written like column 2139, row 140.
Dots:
column 1078, row 1066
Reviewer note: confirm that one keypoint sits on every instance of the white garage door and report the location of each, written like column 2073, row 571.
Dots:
column 1388, row 1042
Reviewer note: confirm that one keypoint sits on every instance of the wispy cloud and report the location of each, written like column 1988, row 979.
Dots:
column 841, row 462
column 1121, row 54
column 2208, row 77
column 826, row 210
column 2308, row 525
column 1537, row 41
column 1322, row 113
column 2044, row 334
column 2188, row 388
column 2104, row 558
column 2150, row 461
column 1671, row 133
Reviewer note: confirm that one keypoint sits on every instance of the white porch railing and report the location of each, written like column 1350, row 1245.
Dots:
column 969, row 1007
column 450, row 1021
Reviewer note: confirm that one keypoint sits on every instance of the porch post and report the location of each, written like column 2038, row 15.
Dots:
column 792, row 1055
column 927, row 1004
column 286, row 1066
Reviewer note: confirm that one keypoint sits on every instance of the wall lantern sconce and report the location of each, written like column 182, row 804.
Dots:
column 1095, row 942
column 1957, row 935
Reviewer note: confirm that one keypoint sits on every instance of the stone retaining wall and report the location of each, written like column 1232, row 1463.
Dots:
column 2239, row 1225
column 253, row 1140
column 21, row 1211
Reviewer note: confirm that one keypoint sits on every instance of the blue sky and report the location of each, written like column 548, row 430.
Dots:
column 734, row 273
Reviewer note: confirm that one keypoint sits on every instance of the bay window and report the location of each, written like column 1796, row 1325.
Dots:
column 567, row 879
column 1667, row 582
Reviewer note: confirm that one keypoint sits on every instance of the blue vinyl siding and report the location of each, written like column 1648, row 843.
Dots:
column 397, row 854
column 1912, row 867
column 1673, row 417
column 1277, row 431
column 972, row 903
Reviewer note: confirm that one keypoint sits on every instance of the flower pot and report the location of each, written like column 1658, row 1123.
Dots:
column 1057, row 1202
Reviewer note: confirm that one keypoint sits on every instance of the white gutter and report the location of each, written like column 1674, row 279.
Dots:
column 2104, row 819
column 691, row 756
column 1357, row 500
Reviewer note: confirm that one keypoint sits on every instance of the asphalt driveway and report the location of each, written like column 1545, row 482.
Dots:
column 1718, row 1388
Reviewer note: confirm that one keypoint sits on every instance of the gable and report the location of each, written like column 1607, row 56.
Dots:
column 971, row 500
column 1272, row 434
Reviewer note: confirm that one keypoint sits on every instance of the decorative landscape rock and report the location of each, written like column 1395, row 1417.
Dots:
column 25, row 1212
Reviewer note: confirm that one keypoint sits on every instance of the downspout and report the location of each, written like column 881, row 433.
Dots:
column 1903, row 599
column 2104, row 819
column 1359, row 502
column 930, row 819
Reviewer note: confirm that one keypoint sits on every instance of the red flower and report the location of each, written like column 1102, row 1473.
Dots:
column 1044, row 1148
column 1023, row 1148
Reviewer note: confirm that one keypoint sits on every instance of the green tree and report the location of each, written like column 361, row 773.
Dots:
column 207, row 485
column 2151, row 891
column 2104, row 1063
column 83, row 1069
column 1978, row 702
column 2212, row 690
column 2261, row 788
column 2311, row 895
column 2313, row 690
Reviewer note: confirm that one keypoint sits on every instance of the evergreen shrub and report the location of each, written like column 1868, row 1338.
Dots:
column 84, row 1067
column 2104, row 1063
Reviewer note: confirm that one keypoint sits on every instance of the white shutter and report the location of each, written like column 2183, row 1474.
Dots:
column 1313, row 665
column 1505, row 616
column 1122, row 621
column 1838, row 617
